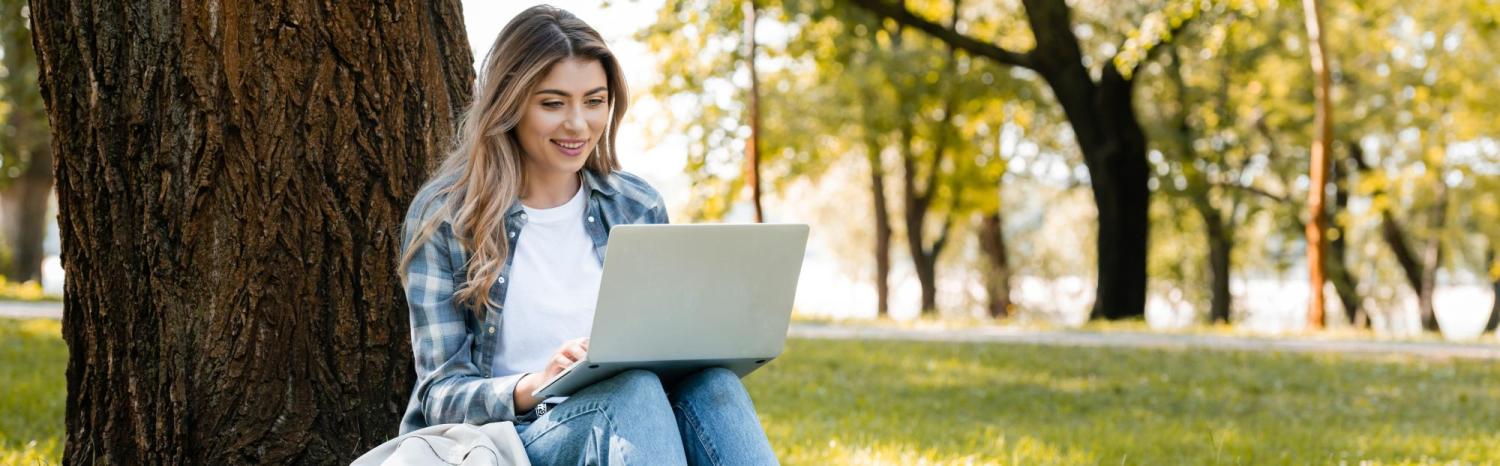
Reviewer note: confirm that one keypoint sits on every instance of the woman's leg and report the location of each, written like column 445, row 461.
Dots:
column 622, row 420
column 717, row 420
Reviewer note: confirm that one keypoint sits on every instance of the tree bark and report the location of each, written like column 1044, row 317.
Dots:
column 997, row 275
column 1109, row 135
column 1318, row 173
column 231, row 186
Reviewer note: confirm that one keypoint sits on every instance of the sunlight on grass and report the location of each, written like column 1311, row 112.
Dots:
column 881, row 402
column 885, row 402
column 33, row 359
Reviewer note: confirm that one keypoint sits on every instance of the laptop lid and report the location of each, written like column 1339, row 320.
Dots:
column 690, row 292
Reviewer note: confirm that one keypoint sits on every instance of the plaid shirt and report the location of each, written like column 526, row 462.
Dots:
column 453, row 348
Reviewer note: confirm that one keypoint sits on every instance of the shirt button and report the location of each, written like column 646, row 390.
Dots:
column 512, row 234
column 502, row 279
column 492, row 330
column 523, row 216
column 591, row 219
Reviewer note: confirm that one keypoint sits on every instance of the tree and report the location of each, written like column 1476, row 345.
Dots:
column 752, row 147
column 1319, row 172
column 231, row 187
column 810, row 97
column 25, row 151
column 1103, row 118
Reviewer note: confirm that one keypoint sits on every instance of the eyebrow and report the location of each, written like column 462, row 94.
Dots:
column 565, row 94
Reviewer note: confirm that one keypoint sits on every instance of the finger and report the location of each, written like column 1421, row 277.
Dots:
column 576, row 353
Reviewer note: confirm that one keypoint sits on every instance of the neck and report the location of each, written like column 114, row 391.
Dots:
column 548, row 190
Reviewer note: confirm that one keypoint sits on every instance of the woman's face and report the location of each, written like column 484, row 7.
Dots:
column 564, row 117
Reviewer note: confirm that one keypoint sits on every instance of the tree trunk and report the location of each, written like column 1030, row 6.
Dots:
column 882, row 229
column 1344, row 281
column 1220, row 245
column 1494, row 274
column 25, row 205
column 914, row 214
column 1432, row 260
column 752, row 146
column 1116, row 159
column 1318, row 173
column 1395, row 236
column 231, row 186
column 1103, row 120
column 997, row 275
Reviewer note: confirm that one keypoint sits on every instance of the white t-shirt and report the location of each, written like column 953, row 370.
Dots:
column 554, row 284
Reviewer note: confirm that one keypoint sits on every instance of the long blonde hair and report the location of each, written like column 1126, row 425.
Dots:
column 481, row 177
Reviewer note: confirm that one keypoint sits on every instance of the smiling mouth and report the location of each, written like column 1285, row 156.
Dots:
column 571, row 145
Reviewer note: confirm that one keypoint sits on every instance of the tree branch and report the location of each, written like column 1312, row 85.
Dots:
column 901, row 15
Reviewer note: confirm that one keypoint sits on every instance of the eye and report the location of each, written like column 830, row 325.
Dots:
column 552, row 104
column 596, row 101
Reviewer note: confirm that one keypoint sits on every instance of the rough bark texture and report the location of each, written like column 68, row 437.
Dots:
column 997, row 275
column 232, row 179
column 1109, row 134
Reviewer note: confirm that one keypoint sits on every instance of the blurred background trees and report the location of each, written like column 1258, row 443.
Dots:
column 1051, row 160
column 25, row 150
column 1208, row 105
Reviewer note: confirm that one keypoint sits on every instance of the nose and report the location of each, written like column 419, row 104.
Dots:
column 575, row 122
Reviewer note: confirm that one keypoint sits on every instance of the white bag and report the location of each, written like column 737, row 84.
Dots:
column 493, row 444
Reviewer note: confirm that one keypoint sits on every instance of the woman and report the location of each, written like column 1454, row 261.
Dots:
column 502, row 254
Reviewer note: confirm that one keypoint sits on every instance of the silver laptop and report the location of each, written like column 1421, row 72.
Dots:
column 676, row 299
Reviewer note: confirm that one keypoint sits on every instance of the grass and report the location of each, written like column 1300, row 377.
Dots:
column 882, row 402
column 32, row 363
column 875, row 402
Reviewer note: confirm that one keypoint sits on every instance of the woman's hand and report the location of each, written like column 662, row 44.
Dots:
column 570, row 352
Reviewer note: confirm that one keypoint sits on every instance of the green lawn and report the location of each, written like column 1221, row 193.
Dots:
column 833, row 402
column 33, row 359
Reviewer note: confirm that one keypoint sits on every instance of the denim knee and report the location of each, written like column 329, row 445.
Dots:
column 636, row 389
column 712, row 379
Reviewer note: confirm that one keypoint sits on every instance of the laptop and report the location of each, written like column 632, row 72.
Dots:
column 677, row 299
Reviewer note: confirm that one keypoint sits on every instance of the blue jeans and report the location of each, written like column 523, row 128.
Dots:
column 707, row 419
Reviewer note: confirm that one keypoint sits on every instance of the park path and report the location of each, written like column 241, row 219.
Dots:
column 1487, row 349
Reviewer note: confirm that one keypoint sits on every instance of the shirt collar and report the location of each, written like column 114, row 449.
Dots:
column 598, row 183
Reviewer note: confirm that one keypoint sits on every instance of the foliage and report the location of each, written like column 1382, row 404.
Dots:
column 23, row 125
column 27, row 291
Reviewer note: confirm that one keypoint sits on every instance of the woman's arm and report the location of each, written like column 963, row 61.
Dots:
column 450, row 387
